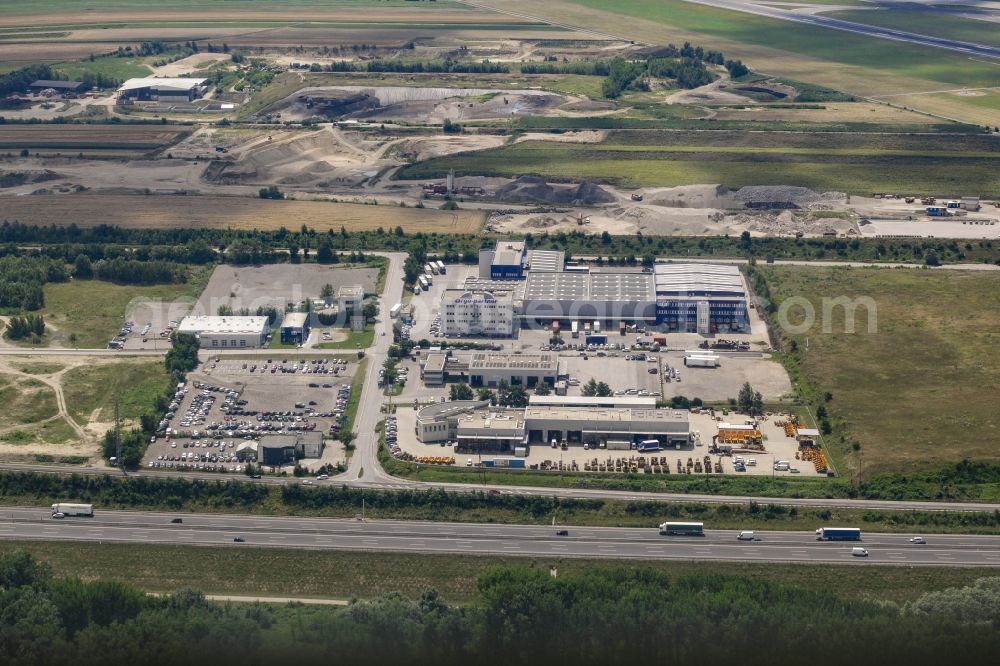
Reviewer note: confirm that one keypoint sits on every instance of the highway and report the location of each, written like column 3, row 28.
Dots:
column 490, row 539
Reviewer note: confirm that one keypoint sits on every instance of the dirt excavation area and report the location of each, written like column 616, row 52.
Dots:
column 692, row 210
column 425, row 105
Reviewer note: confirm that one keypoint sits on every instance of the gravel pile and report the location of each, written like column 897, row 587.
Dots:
column 765, row 194
column 535, row 189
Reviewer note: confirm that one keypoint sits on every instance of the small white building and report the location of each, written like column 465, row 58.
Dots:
column 221, row 332
column 468, row 312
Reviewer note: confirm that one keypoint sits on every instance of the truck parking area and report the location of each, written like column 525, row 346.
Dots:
column 225, row 407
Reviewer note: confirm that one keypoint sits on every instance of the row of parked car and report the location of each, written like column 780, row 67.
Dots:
column 390, row 435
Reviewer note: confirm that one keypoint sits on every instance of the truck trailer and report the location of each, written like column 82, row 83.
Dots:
column 69, row 509
column 838, row 534
column 440, row 267
column 575, row 329
column 394, row 310
column 701, row 361
column 689, row 529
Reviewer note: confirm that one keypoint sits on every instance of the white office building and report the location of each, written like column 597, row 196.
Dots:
column 467, row 312
column 216, row 332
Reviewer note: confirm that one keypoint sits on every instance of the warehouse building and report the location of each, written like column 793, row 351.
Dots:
column 477, row 426
column 707, row 298
column 490, row 368
column 506, row 262
column 475, row 312
column 589, row 296
column 549, row 261
column 278, row 450
column 162, row 89
column 217, row 332
column 295, row 328
column 57, row 87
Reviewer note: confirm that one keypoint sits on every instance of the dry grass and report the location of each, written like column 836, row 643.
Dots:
column 215, row 212
column 915, row 393
column 981, row 107
column 117, row 139
column 832, row 112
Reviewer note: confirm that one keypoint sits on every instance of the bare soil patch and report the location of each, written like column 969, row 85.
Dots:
column 219, row 212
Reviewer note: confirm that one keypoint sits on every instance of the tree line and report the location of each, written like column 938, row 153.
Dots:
column 19, row 80
column 521, row 615
column 446, row 66
column 186, row 245
column 23, row 277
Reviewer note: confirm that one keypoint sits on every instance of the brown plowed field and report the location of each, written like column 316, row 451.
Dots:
column 213, row 212
column 117, row 139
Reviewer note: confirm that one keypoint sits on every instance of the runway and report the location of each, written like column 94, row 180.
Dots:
column 750, row 7
column 490, row 539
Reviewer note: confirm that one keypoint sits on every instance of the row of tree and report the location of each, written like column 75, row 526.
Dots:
column 28, row 326
column 130, row 271
column 521, row 615
column 446, row 66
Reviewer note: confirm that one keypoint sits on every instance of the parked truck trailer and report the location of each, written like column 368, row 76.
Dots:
column 701, row 361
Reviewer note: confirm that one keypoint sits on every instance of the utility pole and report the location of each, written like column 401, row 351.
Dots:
column 118, row 436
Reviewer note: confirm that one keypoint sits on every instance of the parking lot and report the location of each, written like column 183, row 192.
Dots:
column 229, row 403
column 777, row 447
column 275, row 285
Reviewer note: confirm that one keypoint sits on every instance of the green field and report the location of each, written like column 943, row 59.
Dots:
column 112, row 66
column 916, row 393
column 345, row 575
column 831, row 45
column 934, row 23
column 843, row 162
column 94, row 310
column 91, row 390
column 355, row 340
column 25, row 401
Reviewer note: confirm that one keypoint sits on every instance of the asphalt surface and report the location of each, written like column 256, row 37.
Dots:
column 967, row 48
column 490, row 539
column 382, row 481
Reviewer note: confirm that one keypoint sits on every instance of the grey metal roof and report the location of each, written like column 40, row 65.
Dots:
column 563, row 286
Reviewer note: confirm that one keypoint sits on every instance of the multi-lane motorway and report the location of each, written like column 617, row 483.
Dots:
column 489, row 539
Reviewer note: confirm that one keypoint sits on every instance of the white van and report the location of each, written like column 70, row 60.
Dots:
column 857, row 551
column 745, row 535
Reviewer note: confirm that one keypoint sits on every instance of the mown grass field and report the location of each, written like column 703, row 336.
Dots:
column 91, row 389
column 843, row 162
column 831, row 45
column 934, row 23
column 94, row 310
column 250, row 571
column 90, row 139
column 220, row 212
column 354, row 340
column 917, row 393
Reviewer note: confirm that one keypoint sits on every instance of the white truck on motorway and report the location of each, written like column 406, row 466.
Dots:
column 63, row 509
